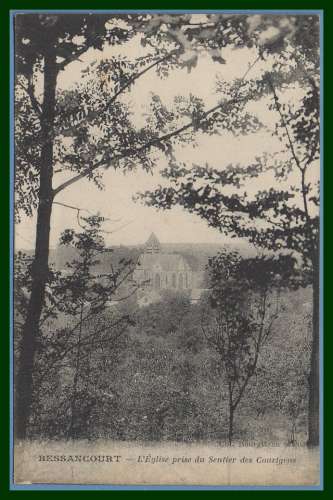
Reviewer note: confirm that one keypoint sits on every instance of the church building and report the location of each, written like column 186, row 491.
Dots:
column 157, row 270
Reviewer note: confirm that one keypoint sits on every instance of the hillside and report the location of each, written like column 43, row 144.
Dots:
column 196, row 254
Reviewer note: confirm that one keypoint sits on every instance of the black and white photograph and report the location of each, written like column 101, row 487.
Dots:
column 167, row 255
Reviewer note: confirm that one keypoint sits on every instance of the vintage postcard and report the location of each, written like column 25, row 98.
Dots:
column 167, row 256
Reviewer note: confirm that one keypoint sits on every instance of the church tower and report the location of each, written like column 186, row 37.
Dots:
column 157, row 270
column 152, row 245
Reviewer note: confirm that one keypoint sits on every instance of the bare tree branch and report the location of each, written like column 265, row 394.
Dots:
column 283, row 121
column 77, row 209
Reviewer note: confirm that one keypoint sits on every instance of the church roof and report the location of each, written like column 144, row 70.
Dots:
column 152, row 240
column 168, row 262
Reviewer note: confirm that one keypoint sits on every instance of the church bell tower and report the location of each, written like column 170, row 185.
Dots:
column 152, row 245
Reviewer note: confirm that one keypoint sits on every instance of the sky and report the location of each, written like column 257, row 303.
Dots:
column 131, row 222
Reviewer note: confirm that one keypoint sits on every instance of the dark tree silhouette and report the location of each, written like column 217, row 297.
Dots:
column 245, row 298
column 284, row 217
column 47, row 44
column 77, row 329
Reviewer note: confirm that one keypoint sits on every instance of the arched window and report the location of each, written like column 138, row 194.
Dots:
column 174, row 282
column 157, row 281
column 180, row 282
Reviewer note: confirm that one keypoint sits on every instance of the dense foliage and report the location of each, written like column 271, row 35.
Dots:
column 63, row 136
column 154, row 372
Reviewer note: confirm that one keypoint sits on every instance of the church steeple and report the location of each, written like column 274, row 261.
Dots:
column 152, row 245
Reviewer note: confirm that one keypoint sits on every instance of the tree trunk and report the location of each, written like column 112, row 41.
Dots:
column 314, row 386
column 73, row 431
column 231, row 416
column 40, row 270
column 231, row 426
